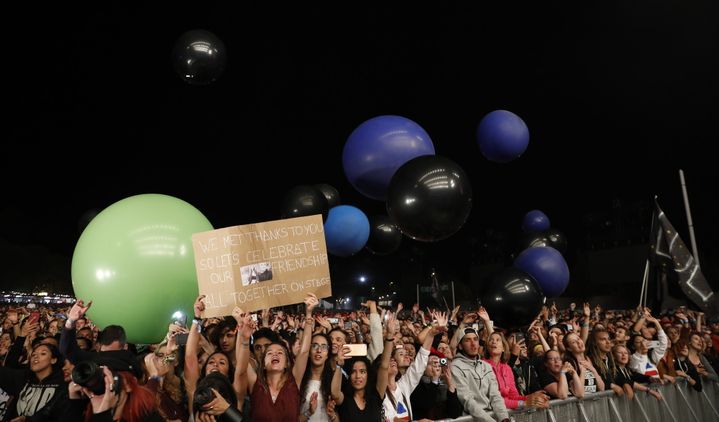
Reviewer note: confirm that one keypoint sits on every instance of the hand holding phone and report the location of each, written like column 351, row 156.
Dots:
column 356, row 349
column 34, row 318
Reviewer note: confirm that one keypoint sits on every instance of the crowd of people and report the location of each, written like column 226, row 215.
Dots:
column 371, row 364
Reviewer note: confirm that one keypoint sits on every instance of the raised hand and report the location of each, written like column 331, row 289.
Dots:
column 587, row 310
column 78, row 310
column 441, row 318
column 199, row 306
column 323, row 322
column 483, row 314
column 313, row 403
column 311, row 302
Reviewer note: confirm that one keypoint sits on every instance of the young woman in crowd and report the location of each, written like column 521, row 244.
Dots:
column 497, row 353
column 575, row 355
column 40, row 391
column 628, row 380
column 361, row 398
column 321, row 382
column 274, row 386
column 558, row 376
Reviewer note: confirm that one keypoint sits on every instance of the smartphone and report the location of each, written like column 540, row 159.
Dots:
column 653, row 344
column 33, row 318
column 181, row 339
column 333, row 320
column 356, row 349
column 348, row 325
column 475, row 326
column 570, row 328
column 178, row 318
column 253, row 317
column 518, row 337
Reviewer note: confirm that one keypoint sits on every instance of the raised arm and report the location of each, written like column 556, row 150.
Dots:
column 244, row 369
column 375, row 330
column 389, row 331
column 192, row 367
column 584, row 333
column 336, row 386
column 298, row 370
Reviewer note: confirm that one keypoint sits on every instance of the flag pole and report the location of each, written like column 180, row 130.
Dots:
column 642, row 294
column 417, row 294
column 689, row 217
column 453, row 304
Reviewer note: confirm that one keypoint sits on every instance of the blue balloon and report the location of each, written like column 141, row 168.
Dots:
column 547, row 266
column 502, row 136
column 377, row 148
column 346, row 230
column 535, row 221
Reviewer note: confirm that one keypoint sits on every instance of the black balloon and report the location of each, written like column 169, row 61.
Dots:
column 199, row 57
column 551, row 237
column 533, row 240
column 303, row 200
column 331, row 194
column 384, row 236
column 513, row 298
column 557, row 240
column 429, row 198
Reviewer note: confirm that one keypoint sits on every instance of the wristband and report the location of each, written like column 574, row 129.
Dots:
column 197, row 321
column 389, row 339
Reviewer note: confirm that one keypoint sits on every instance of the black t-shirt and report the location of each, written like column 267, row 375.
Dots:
column 546, row 378
column 350, row 412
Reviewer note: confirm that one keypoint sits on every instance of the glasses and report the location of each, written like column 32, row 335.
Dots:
column 317, row 346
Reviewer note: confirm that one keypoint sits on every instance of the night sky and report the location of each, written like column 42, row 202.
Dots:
column 617, row 98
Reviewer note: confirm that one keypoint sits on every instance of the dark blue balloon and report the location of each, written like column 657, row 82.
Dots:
column 502, row 136
column 535, row 221
column 377, row 148
column 547, row 266
column 346, row 230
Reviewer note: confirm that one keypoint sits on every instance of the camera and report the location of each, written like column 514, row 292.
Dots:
column 202, row 396
column 443, row 361
column 91, row 376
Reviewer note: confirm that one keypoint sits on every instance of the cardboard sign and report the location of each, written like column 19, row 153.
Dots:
column 261, row 266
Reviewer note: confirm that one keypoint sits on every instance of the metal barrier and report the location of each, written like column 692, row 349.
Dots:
column 681, row 403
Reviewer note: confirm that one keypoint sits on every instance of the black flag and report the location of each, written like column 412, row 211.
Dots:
column 669, row 252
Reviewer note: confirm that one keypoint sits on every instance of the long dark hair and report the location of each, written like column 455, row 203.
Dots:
column 607, row 371
column 230, row 366
column 262, row 371
column 371, row 374
column 327, row 372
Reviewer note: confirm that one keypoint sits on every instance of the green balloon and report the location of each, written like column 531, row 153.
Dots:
column 136, row 263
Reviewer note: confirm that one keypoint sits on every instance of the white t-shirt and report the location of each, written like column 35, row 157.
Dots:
column 321, row 411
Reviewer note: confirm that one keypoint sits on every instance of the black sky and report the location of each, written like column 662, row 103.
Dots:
column 617, row 98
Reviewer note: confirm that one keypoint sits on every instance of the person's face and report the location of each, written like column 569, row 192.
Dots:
column 604, row 344
column 84, row 333
column 696, row 343
column 275, row 358
column 620, row 334
column 5, row 341
column 433, row 370
column 227, row 340
column 673, row 335
column 641, row 345
column 338, row 340
column 411, row 352
column 259, row 347
column 402, row 357
column 319, row 350
column 358, row 377
column 41, row 359
column 684, row 351
column 444, row 349
column 218, row 363
column 553, row 361
column 470, row 345
column 67, row 370
column 575, row 343
column 495, row 346
column 80, row 324
column 621, row 355
column 52, row 327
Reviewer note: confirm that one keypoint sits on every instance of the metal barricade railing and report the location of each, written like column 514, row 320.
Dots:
column 680, row 403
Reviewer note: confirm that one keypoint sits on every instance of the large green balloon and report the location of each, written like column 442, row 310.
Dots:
column 135, row 262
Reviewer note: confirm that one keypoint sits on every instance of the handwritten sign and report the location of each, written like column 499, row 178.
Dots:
column 261, row 266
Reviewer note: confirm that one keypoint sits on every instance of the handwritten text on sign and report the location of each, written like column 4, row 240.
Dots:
column 263, row 265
